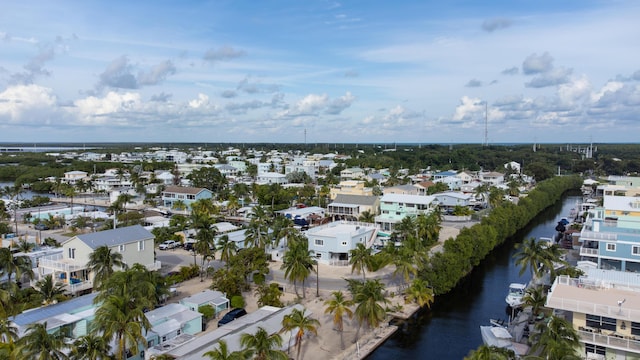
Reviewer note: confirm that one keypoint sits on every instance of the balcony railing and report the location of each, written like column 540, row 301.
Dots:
column 584, row 251
column 593, row 235
column 627, row 343
column 58, row 262
column 74, row 288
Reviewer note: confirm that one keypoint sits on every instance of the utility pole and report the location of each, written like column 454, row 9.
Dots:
column 486, row 127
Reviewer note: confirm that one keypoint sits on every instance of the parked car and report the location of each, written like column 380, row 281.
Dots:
column 41, row 226
column 168, row 244
column 232, row 315
column 189, row 245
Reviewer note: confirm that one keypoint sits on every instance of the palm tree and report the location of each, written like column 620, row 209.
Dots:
column 13, row 193
column 101, row 264
column 262, row 345
column 419, row 292
column 90, row 347
column 367, row 216
column 227, row 249
column 361, row 259
column 297, row 320
column 37, row 343
column 536, row 298
column 485, row 352
column 121, row 318
column 142, row 288
column 257, row 233
column 297, row 263
column 205, row 237
column 24, row 246
column 556, row 339
column 8, row 336
column 221, row 352
column 339, row 306
column 49, row 291
column 368, row 297
column 18, row 265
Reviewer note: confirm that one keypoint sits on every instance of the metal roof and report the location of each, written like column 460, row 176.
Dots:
column 115, row 237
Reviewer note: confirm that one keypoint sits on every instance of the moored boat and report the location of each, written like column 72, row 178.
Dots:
column 516, row 294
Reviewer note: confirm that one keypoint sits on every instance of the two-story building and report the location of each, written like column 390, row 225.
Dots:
column 352, row 174
column 332, row 242
column 188, row 195
column 395, row 207
column 135, row 243
column 350, row 207
column 447, row 201
column 72, row 177
column 610, row 236
column 350, row 187
column 604, row 309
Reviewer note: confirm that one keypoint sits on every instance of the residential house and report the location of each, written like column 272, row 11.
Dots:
column 395, row 207
column 406, row 189
column 350, row 187
column 604, row 309
column 453, row 182
column 492, row 178
column 465, row 177
column 423, row 187
column 135, row 243
column 610, row 236
column 185, row 347
column 350, row 207
column 331, row 243
column 72, row 177
column 443, row 174
column 447, row 201
column 226, row 169
column 188, row 195
column 216, row 299
column 352, row 174
column 170, row 321
column 271, row 178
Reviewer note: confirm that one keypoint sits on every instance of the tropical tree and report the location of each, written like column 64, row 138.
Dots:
column 102, row 262
column 419, row 292
column 221, row 352
column 257, row 233
column 90, row 347
column 555, row 339
column 538, row 256
column 369, row 298
column 485, row 352
column 361, row 259
column 367, row 216
column 13, row 193
column 297, row 320
column 263, row 346
column 8, row 336
column 122, row 318
column 269, row 294
column 37, row 343
column 297, row 263
column 205, row 238
column 339, row 306
column 227, row 249
column 14, row 265
column 24, row 246
column 49, row 290
column 535, row 298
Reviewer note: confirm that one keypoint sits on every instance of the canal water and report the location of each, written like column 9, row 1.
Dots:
column 451, row 329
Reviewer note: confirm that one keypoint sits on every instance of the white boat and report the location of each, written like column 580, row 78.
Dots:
column 515, row 294
column 500, row 337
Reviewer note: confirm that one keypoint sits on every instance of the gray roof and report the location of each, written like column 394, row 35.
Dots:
column 115, row 237
column 46, row 312
column 369, row 200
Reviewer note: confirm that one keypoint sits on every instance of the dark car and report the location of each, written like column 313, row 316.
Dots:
column 41, row 226
column 232, row 315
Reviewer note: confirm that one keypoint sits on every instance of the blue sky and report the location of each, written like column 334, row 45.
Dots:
column 350, row 71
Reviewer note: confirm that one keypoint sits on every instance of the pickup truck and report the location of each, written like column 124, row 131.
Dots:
column 169, row 244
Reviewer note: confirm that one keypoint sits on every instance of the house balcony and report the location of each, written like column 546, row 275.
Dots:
column 60, row 263
column 585, row 251
column 72, row 287
column 610, row 340
column 593, row 235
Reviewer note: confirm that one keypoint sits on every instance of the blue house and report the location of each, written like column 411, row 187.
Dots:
column 188, row 195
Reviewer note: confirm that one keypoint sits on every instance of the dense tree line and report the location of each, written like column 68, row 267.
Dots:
column 472, row 245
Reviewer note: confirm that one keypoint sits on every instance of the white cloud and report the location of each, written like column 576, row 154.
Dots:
column 201, row 101
column 26, row 104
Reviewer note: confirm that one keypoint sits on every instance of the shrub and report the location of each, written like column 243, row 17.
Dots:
column 237, row 301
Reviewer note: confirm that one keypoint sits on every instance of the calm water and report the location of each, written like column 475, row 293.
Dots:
column 452, row 328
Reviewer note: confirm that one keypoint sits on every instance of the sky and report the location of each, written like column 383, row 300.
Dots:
column 316, row 71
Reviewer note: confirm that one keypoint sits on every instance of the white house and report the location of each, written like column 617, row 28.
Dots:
column 332, row 242
column 271, row 178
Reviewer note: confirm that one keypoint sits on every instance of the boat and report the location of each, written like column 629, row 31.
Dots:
column 515, row 294
column 498, row 322
column 500, row 337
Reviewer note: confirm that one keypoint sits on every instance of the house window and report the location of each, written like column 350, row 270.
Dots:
column 601, row 322
column 178, row 333
column 72, row 253
column 150, row 343
column 635, row 328
column 635, row 250
column 611, row 247
column 164, row 338
column 319, row 242
column 318, row 255
column 595, row 349
column 344, row 243
column 141, row 245
column 121, row 248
